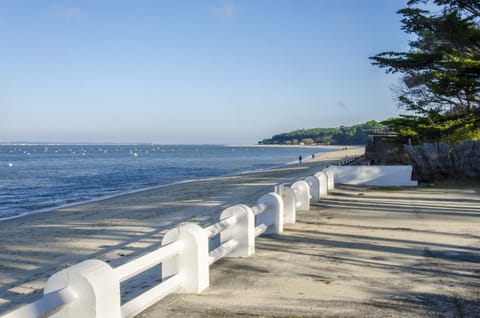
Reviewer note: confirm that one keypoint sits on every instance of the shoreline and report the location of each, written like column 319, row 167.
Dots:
column 293, row 146
column 93, row 200
column 118, row 229
column 138, row 190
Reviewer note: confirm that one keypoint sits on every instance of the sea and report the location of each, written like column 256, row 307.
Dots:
column 36, row 178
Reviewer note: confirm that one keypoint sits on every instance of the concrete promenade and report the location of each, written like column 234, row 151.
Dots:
column 363, row 252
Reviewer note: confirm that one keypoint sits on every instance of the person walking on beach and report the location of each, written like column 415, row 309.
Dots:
column 300, row 158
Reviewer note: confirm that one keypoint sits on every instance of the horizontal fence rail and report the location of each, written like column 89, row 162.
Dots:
column 222, row 251
column 92, row 288
column 147, row 261
column 153, row 295
column 217, row 228
column 259, row 208
column 260, row 229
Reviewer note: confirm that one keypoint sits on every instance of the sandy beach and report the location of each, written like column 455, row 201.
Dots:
column 362, row 252
column 121, row 228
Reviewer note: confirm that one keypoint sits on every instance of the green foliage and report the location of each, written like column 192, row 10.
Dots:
column 441, row 72
column 450, row 129
column 353, row 135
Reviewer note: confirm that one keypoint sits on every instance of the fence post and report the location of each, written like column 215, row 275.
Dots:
column 288, row 198
column 193, row 261
column 330, row 178
column 97, row 288
column 302, row 195
column 273, row 213
column 322, row 178
column 243, row 231
column 314, row 184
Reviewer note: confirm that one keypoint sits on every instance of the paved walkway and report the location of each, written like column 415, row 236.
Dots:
column 363, row 252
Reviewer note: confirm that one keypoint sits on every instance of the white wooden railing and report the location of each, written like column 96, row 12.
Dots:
column 92, row 288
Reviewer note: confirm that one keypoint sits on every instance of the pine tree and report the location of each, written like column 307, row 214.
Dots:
column 441, row 72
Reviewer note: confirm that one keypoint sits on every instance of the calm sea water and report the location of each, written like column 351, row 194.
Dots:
column 37, row 177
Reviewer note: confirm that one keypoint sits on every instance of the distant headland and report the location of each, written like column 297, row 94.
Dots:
column 343, row 135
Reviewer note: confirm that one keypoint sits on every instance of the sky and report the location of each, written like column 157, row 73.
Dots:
column 192, row 71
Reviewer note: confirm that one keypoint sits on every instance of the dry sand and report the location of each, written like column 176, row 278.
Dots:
column 118, row 229
column 363, row 252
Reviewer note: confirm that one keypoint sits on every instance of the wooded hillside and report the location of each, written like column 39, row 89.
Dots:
column 343, row 135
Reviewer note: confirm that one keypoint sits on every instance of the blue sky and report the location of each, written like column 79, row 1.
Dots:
column 198, row 71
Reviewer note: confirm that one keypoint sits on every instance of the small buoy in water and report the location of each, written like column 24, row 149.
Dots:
column 135, row 154
column 10, row 164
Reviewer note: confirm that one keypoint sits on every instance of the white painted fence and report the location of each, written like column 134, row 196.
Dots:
column 92, row 288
